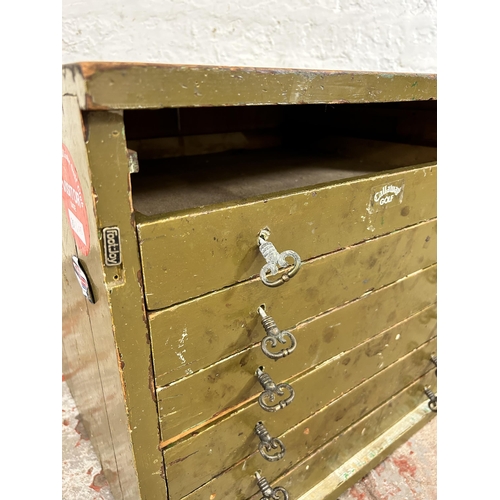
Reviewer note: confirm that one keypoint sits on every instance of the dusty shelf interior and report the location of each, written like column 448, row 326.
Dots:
column 192, row 181
column 194, row 157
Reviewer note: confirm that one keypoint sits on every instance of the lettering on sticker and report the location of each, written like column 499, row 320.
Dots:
column 112, row 246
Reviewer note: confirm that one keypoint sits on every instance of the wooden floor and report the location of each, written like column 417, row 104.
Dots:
column 408, row 474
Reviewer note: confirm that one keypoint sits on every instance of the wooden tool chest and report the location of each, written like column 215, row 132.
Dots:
column 249, row 274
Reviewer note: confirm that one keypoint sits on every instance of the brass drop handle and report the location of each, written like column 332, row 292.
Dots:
column 268, row 444
column 276, row 261
column 273, row 493
column 433, row 400
column 271, row 390
column 275, row 335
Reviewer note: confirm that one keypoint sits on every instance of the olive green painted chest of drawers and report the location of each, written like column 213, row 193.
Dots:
column 249, row 274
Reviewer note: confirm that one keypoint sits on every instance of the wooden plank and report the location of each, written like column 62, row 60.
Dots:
column 119, row 316
column 369, row 457
column 354, row 469
column 237, row 483
column 193, row 253
column 102, row 85
column 81, row 366
column 90, row 362
column 194, row 465
column 189, row 145
column 229, row 384
column 193, row 335
column 186, row 407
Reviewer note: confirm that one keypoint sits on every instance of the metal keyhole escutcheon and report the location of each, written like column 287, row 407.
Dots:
column 271, row 391
column 276, row 261
column 275, row 335
column 278, row 493
column 268, row 444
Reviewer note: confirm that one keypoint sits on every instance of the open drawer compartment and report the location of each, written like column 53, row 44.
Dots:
column 318, row 180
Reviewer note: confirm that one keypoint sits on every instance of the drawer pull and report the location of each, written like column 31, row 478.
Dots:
column 434, row 359
column 271, row 390
column 268, row 443
column 276, row 261
column 278, row 493
column 433, row 400
column 275, row 335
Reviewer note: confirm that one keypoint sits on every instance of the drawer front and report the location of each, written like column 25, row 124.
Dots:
column 318, row 339
column 202, row 460
column 196, row 334
column 191, row 253
column 330, row 457
column 344, row 371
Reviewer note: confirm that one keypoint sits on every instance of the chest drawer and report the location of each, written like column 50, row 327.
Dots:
column 220, row 459
column 198, row 250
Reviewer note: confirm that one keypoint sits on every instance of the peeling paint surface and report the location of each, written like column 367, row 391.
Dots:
column 408, row 474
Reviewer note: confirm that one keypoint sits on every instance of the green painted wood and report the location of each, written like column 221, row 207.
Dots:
column 300, row 480
column 305, row 439
column 203, row 339
column 102, row 85
column 193, row 335
column 347, row 369
column 192, row 253
column 357, row 466
column 119, row 323
column 195, row 465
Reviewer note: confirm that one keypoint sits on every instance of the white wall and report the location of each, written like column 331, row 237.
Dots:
column 385, row 35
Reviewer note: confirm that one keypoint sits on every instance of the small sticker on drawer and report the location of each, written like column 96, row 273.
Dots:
column 386, row 195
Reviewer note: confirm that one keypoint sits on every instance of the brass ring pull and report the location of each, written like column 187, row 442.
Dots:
column 433, row 400
column 276, row 261
column 277, row 493
column 271, row 390
column 275, row 335
column 268, row 443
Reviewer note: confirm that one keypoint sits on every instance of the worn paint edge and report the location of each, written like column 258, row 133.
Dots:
column 89, row 68
column 145, row 221
column 95, row 71
column 153, row 313
column 366, row 459
column 304, row 323
column 232, row 412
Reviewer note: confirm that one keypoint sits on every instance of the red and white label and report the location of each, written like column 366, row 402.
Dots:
column 73, row 203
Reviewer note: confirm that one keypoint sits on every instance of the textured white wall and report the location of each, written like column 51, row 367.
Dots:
column 385, row 35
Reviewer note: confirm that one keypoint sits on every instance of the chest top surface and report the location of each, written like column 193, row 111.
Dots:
column 113, row 85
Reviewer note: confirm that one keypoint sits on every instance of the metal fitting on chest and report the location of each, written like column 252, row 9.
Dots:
column 271, row 390
column 276, row 261
column 434, row 359
column 432, row 398
column 268, row 444
column 275, row 335
column 278, row 493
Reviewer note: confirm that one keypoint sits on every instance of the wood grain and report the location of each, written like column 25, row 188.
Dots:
column 193, row 335
column 193, row 253
column 313, row 389
column 304, row 441
column 104, row 85
column 193, row 461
